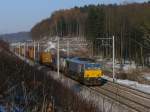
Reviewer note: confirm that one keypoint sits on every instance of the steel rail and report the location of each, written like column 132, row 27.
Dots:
column 130, row 89
column 121, row 99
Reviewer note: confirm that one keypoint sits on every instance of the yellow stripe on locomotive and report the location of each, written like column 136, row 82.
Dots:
column 93, row 73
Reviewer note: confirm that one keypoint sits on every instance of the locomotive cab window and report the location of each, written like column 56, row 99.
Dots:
column 93, row 66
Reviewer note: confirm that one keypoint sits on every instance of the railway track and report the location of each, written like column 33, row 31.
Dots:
column 136, row 100
column 132, row 98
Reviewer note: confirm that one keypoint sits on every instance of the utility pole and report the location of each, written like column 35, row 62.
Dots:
column 27, row 48
column 92, row 49
column 34, row 49
column 38, row 51
column 19, row 49
column 68, row 48
column 113, row 59
column 58, row 57
column 24, row 50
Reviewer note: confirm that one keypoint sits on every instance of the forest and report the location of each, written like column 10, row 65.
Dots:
column 129, row 23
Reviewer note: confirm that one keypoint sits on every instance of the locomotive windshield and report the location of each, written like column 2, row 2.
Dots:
column 92, row 66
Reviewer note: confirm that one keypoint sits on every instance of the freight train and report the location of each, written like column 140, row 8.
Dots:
column 84, row 70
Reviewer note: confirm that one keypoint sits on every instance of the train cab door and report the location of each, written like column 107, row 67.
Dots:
column 81, row 70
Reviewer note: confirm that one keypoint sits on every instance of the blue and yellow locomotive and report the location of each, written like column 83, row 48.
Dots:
column 84, row 70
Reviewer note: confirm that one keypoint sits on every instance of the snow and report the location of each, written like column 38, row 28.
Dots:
column 40, row 67
column 146, row 76
column 133, row 84
column 64, row 50
column 50, row 45
column 127, row 67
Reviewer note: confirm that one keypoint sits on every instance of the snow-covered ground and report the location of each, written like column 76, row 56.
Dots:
column 146, row 76
column 133, row 84
column 126, row 68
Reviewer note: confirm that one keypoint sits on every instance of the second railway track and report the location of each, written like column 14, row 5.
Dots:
column 132, row 98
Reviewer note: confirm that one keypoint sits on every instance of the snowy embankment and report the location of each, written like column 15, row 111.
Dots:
column 133, row 84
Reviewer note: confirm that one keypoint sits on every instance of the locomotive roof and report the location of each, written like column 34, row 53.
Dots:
column 81, row 60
